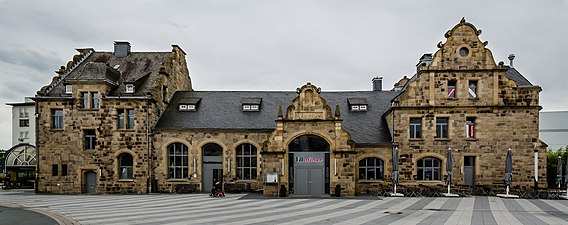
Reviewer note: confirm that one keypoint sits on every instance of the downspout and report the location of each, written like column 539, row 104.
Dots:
column 392, row 139
column 393, row 125
column 149, row 170
column 36, row 115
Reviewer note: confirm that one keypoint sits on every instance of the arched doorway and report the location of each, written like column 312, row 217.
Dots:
column 308, row 160
column 212, row 165
column 20, row 165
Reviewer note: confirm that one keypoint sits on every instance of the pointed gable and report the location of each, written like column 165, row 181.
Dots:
column 309, row 105
column 463, row 50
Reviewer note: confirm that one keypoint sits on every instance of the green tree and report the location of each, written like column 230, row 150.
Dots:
column 551, row 166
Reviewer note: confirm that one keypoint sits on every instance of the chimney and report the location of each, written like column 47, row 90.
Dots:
column 425, row 60
column 377, row 83
column 511, row 57
column 121, row 48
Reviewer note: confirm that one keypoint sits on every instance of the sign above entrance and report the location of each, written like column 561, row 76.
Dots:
column 309, row 159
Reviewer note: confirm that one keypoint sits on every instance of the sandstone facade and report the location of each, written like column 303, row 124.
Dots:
column 339, row 141
column 64, row 161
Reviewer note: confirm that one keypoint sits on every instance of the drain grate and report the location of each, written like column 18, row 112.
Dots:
column 393, row 212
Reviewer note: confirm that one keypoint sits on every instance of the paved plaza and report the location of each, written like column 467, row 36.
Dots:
column 255, row 209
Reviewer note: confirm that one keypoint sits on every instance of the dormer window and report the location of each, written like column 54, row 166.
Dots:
column 188, row 104
column 358, row 107
column 251, row 104
column 186, row 107
column 68, row 89
column 251, row 108
column 130, row 88
column 357, row 104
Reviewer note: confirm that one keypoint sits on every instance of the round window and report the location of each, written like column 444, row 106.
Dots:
column 464, row 51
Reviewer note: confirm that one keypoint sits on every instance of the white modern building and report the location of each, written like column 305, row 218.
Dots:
column 20, row 160
column 554, row 129
column 23, row 122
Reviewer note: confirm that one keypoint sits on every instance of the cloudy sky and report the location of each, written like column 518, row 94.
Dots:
column 276, row 44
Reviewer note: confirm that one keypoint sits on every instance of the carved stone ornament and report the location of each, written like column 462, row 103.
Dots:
column 309, row 105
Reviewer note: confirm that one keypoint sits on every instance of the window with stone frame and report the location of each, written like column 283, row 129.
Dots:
column 452, row 86
column 57, row 119
column 54, row 169
column 246, row 162
column 470, row 127
column 126, row 119
column 472, row 89
column 371, row 169
column 90, row 100
column 125, row 166
column 63, row 169
column 90, row 139
column 429, row 168
column 94, row 100
column 442, row 127
column 178, row 161
column 415, row 128
column 164, row 93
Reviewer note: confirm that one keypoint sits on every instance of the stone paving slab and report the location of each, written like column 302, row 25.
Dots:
column 255, row 209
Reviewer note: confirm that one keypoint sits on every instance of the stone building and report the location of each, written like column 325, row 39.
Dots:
column 97, row 135
column 95, row 118
column 461, row 99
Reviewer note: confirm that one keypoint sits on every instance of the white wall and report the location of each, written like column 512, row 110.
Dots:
column 18, row 133
column 553, row 129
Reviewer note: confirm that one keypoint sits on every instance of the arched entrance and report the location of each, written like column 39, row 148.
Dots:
column 308, row 162
column 20, row 164
column 212, row 165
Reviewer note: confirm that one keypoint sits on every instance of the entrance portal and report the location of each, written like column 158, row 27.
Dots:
column 212, row 165
column 309, row 166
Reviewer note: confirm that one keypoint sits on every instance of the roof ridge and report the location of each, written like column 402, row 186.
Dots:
column 75, row 65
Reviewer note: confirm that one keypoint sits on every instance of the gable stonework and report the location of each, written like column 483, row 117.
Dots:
column 506, row 115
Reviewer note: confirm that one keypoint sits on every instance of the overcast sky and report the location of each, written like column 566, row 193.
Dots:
column 276, row 44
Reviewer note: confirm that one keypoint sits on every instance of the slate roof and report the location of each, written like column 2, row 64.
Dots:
column 357, row 101
column 514, row 74
column 140, row 68
column 97, row 71
column 222, row 110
